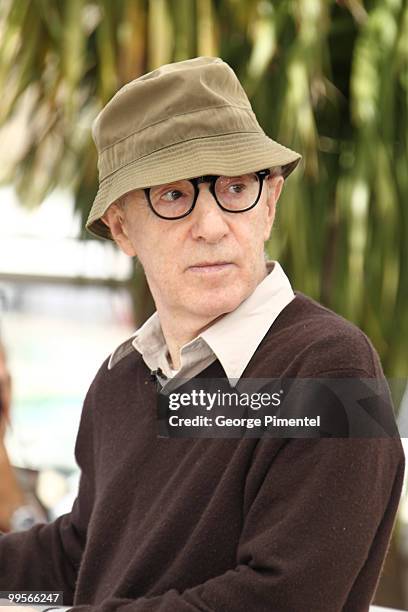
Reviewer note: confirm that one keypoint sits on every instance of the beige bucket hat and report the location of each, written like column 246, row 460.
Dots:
column 183, row 120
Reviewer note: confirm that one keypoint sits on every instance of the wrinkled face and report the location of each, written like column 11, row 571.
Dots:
column 173, row 252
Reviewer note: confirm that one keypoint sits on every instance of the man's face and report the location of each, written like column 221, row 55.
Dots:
column 173, row 251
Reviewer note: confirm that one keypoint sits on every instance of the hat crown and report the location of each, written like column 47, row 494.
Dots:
column 176, row 89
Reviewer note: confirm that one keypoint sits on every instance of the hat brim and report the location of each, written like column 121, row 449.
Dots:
column 229, row 155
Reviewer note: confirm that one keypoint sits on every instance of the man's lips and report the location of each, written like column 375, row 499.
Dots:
column 208, row 267
column 209, row 263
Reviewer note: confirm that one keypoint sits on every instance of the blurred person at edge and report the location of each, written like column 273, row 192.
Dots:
column 17, row 511
column 11, row 495
column 267, row 524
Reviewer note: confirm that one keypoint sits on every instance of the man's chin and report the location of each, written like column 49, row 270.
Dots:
column 216, row 308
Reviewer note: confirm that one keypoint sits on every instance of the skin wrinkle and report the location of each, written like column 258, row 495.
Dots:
column 187, row 303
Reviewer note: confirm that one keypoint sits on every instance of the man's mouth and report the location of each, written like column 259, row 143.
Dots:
column 211, row 266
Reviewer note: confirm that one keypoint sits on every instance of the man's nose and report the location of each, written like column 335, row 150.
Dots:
column 208, row 219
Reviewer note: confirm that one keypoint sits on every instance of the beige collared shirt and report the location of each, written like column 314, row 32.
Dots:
column 253, row 317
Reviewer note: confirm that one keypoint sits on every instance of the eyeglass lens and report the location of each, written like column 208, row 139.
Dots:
column 233, row 193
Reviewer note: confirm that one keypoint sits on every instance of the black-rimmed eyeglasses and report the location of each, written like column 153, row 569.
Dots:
column 233, row 194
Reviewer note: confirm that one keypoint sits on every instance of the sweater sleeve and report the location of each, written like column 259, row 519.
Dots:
column 47, row 556
column 316, row 530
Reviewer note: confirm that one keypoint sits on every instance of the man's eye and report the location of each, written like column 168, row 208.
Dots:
column 171, row 196
column 236, row 188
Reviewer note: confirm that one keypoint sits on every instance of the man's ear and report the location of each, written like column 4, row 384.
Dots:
column 114, row 218
column 274, row 189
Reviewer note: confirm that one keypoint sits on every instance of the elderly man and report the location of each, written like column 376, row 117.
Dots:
column 189, row 184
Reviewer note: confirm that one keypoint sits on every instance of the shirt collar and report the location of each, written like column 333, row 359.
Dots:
column 234, row 338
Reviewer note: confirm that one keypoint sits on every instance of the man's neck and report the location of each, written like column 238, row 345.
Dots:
column 184, row 335
column 178, row 331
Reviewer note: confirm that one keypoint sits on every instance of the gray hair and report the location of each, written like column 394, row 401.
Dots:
column 123, row 199
column 276, row 171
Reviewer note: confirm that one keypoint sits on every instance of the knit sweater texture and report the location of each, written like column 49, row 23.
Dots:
column 220, row 525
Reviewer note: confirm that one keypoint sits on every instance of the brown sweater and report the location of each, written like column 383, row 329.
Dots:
column 223, row 525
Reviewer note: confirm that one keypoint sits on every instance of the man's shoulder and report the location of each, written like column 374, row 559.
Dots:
column 309, row 313
column 321, row 341
column 127, row 366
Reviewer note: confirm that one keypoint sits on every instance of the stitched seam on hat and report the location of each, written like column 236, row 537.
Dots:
column 199, row 110
column 172, row 145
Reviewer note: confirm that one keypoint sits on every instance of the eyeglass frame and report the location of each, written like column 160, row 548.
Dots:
column 212, row 179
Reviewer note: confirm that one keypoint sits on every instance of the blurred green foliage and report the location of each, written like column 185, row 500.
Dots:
column 329, row 79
